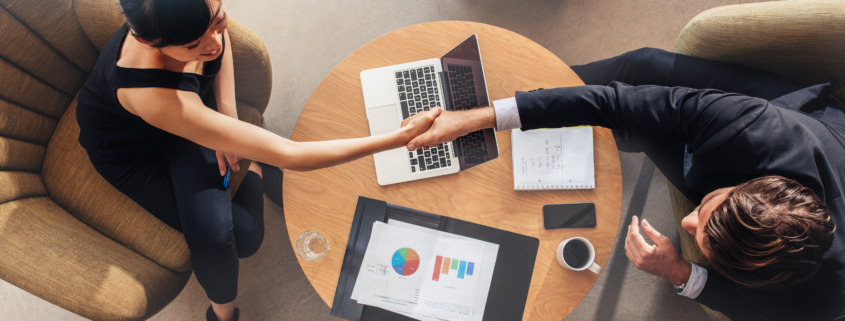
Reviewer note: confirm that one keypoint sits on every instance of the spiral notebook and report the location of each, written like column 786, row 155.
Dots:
column 553, row 159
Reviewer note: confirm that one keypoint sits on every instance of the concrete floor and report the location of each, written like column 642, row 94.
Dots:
column 306, row 39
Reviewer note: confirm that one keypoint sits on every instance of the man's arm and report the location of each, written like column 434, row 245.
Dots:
column 722, row 295
column 684, row 115
column 692, row 116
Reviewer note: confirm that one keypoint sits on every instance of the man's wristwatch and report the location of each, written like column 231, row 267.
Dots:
column 680, row 288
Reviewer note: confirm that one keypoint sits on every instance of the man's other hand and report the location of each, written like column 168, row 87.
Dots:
column 661, row 258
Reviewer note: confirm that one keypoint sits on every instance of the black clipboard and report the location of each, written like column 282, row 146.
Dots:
column 511, row 275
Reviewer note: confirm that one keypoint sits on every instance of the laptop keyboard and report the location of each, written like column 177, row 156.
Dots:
column 428, row 159
column 418, row 91
column 462, row 83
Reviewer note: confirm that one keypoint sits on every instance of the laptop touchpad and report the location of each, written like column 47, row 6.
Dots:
column 384, row 119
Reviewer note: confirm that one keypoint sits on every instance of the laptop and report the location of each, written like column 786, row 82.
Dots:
column 453, row 82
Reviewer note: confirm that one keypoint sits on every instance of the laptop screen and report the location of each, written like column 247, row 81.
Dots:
column 466, row 57
column 466, row 50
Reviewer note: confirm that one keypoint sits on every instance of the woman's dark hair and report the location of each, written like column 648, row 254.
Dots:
column 167, row 22
column 771, row 232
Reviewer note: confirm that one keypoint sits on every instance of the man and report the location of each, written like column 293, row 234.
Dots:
column 763, row 156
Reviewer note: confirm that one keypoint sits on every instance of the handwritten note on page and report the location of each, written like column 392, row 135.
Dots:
column 554, row 158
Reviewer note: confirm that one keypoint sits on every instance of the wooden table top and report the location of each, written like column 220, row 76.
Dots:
column 324, row 200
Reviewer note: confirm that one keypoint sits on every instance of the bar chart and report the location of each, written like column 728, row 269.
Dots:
column 446, row 265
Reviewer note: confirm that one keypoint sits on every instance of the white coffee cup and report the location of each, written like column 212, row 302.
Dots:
column 580, row 255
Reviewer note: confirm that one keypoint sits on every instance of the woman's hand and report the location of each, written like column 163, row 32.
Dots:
column 223, row 159
column 417, row 124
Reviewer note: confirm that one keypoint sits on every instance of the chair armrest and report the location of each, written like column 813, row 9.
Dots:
column 802, row 40
column 51, row 254
column 681, row 206
column 253, row 72
column 73, row 183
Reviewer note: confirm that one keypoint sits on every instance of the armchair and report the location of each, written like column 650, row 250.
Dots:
column 66, row 235
column 799, row 39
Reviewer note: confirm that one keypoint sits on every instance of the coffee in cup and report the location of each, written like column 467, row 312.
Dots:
column 576, row 253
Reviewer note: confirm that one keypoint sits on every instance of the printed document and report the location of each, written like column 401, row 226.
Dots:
column 424, row 273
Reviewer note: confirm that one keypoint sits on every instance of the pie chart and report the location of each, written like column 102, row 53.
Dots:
column 406, row 261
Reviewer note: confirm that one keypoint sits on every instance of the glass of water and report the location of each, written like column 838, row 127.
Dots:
column 311, row 245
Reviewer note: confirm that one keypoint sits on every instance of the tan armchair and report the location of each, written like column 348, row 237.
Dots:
column 66, row 235
column 800, row 39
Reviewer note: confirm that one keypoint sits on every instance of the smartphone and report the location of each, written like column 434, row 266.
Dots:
column 226, row 177
column 574, row 215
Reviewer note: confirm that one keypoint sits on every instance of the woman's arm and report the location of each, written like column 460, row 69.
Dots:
column 224, row 83
column 183, row 114
column 224, row 94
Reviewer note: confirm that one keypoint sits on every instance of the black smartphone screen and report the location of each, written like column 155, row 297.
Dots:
column 573, row 215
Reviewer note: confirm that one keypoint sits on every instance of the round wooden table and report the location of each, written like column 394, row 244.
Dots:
column 324, row 200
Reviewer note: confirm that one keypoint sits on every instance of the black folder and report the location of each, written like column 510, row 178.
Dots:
column 511, row 275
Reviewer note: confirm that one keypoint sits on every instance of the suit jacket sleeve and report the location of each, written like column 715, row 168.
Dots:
column 701, row 118
column 722, row 295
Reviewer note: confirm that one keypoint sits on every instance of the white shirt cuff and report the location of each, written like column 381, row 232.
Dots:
column 697, row 279
column 507, row 115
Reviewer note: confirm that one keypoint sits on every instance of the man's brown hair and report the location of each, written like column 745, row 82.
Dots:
column 770, row 232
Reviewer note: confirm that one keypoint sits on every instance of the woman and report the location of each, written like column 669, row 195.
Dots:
column 158, row 120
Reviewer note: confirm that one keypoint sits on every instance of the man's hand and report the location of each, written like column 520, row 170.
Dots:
column 661, row 259
column 452, row 124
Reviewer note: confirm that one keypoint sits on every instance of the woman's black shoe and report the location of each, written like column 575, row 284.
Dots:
column 271, row 183
column 210, row 316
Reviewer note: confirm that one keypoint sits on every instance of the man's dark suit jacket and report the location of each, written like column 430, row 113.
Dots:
column 733, row 138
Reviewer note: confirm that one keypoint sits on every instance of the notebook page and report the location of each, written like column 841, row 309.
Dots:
column 555, row 158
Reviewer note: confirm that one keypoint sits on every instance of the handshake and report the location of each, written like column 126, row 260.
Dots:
column 436, row 126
